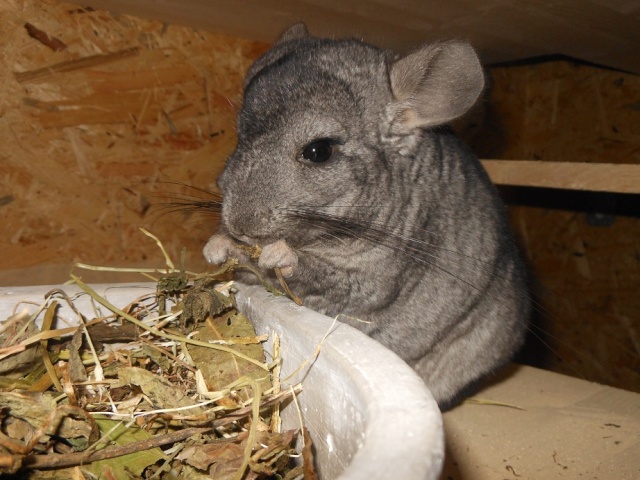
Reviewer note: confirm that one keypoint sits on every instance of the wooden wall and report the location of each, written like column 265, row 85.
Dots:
column 583, row 247
column 93, row 135
column 92, row 132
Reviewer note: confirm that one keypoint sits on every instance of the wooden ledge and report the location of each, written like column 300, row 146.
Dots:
column 602, row 177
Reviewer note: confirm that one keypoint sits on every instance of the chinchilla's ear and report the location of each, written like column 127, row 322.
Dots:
column 297, row 31
column 434, row 85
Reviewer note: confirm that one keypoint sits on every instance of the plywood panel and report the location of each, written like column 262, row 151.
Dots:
column 93, row 133
column 563, row 111
column 583, row 248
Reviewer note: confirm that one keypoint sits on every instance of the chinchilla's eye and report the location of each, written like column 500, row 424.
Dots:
column 318, row 151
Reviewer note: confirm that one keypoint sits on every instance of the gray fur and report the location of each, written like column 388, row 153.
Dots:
column 402, row 228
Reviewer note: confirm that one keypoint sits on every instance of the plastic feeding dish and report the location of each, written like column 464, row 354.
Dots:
column 369, row 415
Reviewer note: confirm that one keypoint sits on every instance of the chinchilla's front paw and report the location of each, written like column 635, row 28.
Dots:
column 279, row 254
column 221, row 247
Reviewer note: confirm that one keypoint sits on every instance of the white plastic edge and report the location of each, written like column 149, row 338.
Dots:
column 403, row 433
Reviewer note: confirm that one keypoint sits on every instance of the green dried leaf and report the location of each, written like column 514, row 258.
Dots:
column 173, row 283
column 149, row 352
column 126, row 465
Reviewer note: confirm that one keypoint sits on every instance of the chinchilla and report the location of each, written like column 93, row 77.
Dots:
column 346, row 173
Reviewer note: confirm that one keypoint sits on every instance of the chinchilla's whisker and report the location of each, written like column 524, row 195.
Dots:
column 378, row 236
column 416, row 255
column 188, row 206
column 330, row 234
column 417, row 249
column 188, row 203
column 188, row 186
column 203, row 209
column 379, row 227
column 185, row 200
column 349, row 227
column 405, row 239
column 376, row 232
column 205, row 200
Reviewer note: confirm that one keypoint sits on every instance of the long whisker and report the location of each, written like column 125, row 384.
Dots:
column 370, row 232
column 375, row 232
column 198, row 204
column 334, row 226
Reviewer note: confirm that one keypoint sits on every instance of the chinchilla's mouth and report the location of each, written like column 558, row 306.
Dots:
column 251, row 240
column 244, row 239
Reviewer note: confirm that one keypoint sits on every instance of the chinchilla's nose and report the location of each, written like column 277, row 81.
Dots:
column 246, row 222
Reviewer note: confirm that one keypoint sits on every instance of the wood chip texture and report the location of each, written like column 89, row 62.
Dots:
column 93, row 133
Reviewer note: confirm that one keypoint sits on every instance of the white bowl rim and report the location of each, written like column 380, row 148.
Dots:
column 402, row 435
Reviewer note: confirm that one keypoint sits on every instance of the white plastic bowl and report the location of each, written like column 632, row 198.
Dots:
column 369, row 415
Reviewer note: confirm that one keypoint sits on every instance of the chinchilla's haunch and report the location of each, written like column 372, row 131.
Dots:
column 346, row 173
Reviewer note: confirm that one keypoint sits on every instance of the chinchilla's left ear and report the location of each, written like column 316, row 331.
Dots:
column 297, row 31
column 434, row 85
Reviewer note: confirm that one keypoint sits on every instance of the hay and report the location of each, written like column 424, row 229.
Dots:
column 143, row 400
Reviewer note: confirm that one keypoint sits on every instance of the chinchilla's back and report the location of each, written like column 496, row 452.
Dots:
column 346, row 174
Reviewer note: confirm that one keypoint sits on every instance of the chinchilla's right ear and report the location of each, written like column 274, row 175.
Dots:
column 434, row 85
column 295, row 32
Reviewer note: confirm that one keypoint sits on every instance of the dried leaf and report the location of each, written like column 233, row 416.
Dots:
column 159, row 390
column 307, row 457
column 173, row 283
column 221, row 368
column 201, row 303
column 32, row 407
column 149, row 352
column 25, row 362
column 77, row 372
column 18, row 429
column 221, row 452
column 274, row 456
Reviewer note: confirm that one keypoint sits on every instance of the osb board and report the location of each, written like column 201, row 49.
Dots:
column 91, row 139
column 587, row 279
column 561, row 111
column 587, row 276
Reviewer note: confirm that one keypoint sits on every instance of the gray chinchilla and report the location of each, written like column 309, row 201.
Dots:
column 347, row 175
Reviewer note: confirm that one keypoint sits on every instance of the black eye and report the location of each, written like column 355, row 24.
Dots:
column 319, row 151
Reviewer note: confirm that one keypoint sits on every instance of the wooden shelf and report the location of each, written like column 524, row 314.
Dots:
column 601, row 177
column 605, row 32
